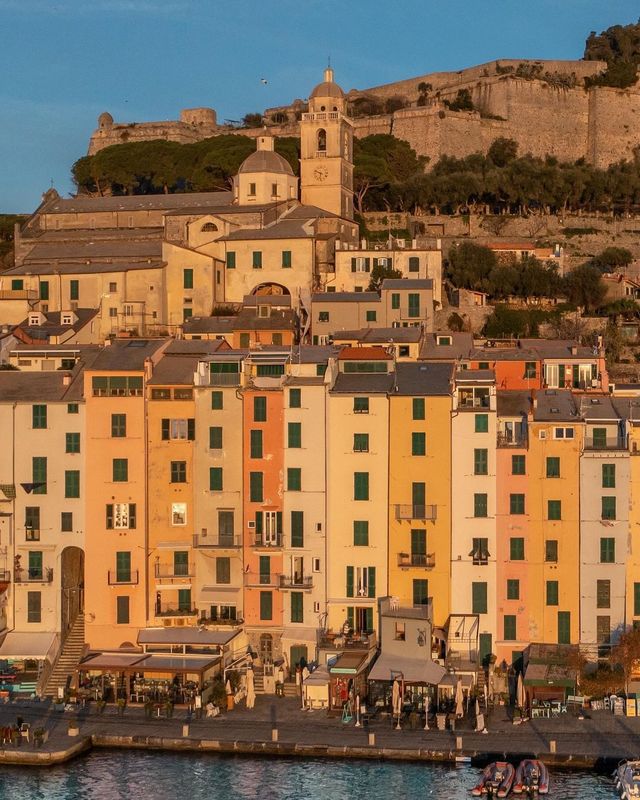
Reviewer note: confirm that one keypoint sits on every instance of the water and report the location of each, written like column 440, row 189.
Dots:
column 126, row 775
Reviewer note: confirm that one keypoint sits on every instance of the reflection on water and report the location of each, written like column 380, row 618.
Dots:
column 116, row 775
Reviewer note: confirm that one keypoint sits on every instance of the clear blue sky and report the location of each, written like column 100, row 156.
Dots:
column 63, row 62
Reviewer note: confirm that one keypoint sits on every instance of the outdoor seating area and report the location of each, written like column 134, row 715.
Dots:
column 546, row 709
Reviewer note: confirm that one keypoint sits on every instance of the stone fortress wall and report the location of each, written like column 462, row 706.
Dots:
column 552, row 114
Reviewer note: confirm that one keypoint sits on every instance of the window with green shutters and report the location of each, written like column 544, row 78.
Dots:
column 552, row 593
column 599, row 438
column 118, row 426
column 297, row 529
column 231, row 259
column 418, row 408
column 395, row 300
column 420, row 592
column 178, row 471
column 294, row 434
column 608, row 476
column 554, row 509
column 320, row 370
column 120, row 470
column 636, row 599
column 564, row 627
column 215, row 479
column 215, row 437
column 530, row 369
column 418, row 443
column 608, row 507
column 510, row 628
column 180, row 562
column 32, row 520
column 297, row 607
column 123, row 566
column 414, row 304
column 482, row 423
column 480, row 505
column 223, row 569
column 360, row 533
column 518, row 465
column 72, row 442
column 286, row 259
column 516, row 548
column 256, row 487
column 603, row 594
column 480, row 461
column 39, row 416
column 187, row 278
column 17, row 284
column 266, row 605
column 513, row 589
column 553, row 467
column 516, row 504
column 551, row 551
column 418, row 497
column 414, row 264
column 259, row 409
column 295, row 398
column 74, row 290
column 245, row 340
column 479, row 597
column 66, row 521
column 294, row 479
column 255, row 437
column 72, row 408
column 360, row 485
column 371, row 316
column 44, row 290
column 360, row 405
column 72, row 483
column 349, row 582
column 39, row 474
column 216, row 401
column 360, row 442
column 34, row 606
column 607, row 550
column 184, row 600
column 256, row 263
column 122, row 610
column 35, row 569
column 418, row 546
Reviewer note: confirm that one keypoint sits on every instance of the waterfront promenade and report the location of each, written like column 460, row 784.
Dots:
column 601, row 739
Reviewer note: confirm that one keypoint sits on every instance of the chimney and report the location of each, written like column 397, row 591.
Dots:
column 66, row 379
column 574, row 350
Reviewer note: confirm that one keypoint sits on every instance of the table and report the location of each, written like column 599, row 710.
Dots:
column 540, row 711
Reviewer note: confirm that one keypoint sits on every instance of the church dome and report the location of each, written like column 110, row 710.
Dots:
column 266, row 161
column 328, row 87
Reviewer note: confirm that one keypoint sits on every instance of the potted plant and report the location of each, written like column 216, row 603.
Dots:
column 73, row 729
column 58, row 704
column 38, row 737
column 101, row 705
column 121, row 703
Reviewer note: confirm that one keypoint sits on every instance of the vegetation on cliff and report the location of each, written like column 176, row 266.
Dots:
column 619, row 46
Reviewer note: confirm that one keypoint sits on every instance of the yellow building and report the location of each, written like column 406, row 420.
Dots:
column 633, row 558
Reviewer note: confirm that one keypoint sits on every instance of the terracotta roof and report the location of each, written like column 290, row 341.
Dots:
column 363, row 354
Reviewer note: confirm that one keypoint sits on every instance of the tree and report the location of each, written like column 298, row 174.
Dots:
column 583, row 286
column 613, row 343
column 461, row 102
column 612, row 258
column 470, row 266
column 502, row 151
column 379, row 274
column 626, row 653
column 252, row 120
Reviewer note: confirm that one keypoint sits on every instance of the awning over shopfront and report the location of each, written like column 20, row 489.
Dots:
column 151, row 663
column 176, row 664
column 202, row 637
column 304, row 635
column 550, row 675
column 319, row 677
column 450, row 681
column 411, row 670
column 19, row 646
column 112, row 662
column 349, row 664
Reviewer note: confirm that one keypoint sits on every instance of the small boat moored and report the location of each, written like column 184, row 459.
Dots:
column 627, row 778
column 496, row 780
column 532, row 777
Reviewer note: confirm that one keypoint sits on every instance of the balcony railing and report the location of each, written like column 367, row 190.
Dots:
column 224, row 379
column 230, row 623
column 268, row 540
column 261, row 580
column 33, row 575
column 425, row 560
column 175, row 610
column 416, row 512
column 32, row 534
column 175, row 571
column 352, row 641
column 215, row 540
column 129, row 578
column 619, row 443
column 510, row 440
column 296, row 582
column 5, row 576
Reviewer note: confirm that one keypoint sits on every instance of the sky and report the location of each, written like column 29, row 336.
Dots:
column 63, row 62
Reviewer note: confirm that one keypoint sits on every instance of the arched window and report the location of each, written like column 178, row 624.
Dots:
column 208, row 227
column 322, row 140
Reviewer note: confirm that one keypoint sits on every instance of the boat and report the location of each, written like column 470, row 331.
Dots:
column 531, row 776
column 627, row 778
column 496, row 780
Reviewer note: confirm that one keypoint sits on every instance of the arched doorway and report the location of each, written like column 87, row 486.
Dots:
column 270, row 289
column 71, row 586
column 266, row 648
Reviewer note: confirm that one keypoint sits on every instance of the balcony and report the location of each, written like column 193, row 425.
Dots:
column 255, row 579
column 352, row 641
column 33, row 575
column 320, row 116
column 123, row 578
column 409, row 512
column 224, row 379
column 424, row 560
column 613, row 443
column 31, row 534
column 511, row 440
column 215, row 540
column 268, row 541
column 5, row 576
column 176, row 572
column 219, row 621
column 296, row 582
column 175, row 610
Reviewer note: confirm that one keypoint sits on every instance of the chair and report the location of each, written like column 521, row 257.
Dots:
column 24, row 730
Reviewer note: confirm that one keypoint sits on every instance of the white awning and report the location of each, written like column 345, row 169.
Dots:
column 450, row 680
column 305, row 635
column 17, row 645
column 411, row 670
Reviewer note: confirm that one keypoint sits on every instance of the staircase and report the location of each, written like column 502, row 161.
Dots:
column 68, row 660
column 258, row 680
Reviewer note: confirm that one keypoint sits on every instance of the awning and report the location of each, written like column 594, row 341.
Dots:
column 450, row 680
column 209, row 594
column 145, row 662
column 304, row 635
column 413, row 670
column 112, row 661
column 189, row 635
column 319, row 677
column 349, row 664
column 174, row 664
column 17, row 645
column 552, row 675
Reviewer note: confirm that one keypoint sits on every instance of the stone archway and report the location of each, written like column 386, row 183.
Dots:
column 263, row 289
column 71, row 586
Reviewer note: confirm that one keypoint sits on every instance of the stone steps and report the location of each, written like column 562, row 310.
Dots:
column 68, row 660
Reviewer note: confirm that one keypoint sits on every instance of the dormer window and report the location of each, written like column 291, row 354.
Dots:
column 263, row 311
column 444, row 341
column 67, row 319
column 209, row 227
column 34, row 319
column 252, row 190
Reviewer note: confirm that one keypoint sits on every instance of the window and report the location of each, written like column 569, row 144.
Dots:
column 371, row 316
column 513, row 589
column 418, row 547
column 72, row 483
column 39, row 416
column 295, row 398
column 215, row 438
column 178, row 429
column 554, row 509
column 187, row 313
column 563, row 433
column 551, row 551
column 72, row 408
column 480, row 551
column 530, row 369
column 123, row 566
column 215, row 479
column 39, row 474
column 482, row 423
column 509, row 627
column 44, row 290
column 564, row 627
column 360, row 533
column 516, row 504
column 120, row 516
column 636, row 599
column 66, row 521
column 400, row 632
column 294, row 434
column 395, row 300
column 35, row 570
column 480, row 505
column 608, row 476
column 480, row 461
column 178, row 472
column 608, row 507
column 294, row 479
column 120, row 470
column 216, row 401
column 360, row 485
column 553, row 467
column 518, row 465
column 32, row 523
column 603, row 594
column 117, row 385
column 599, row 438
column 420, row 592
column 418, row 408
column 118, row 426
column 113, row 312
column 255, row 443
column 360, row 405
column 414, row 304
column 17, row 284
column 323, row 316
column 360, row 442
column 122, row 610
column 297, row 529
column 414, row 264
column 297, row 607
column 266, row 605
column 552, row 593
column 187, row 279
column 256, row 259
column 516, row 548
column 245, row 340
column 34, row 607
column 259, row 409
column 223, row 569
column 113, row 287
column 255, row 487
column 418, row 444
column 321, row 369
column 231, row 260
column 607, row 550
column 72, row 442
column 178, row 513
column 286, row 259
column 479, row 597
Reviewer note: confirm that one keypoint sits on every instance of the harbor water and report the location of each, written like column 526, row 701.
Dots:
column 129, row 775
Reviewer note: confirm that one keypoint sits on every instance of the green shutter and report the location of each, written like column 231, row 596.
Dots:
column 414, row 304
column 294, row 479
column 72, row 442
column 184, row 600
column 286, row 259
column 372, row 581
column 517, row 548
column 552, row 593
column 259, row 527
column 44, row 290
column 297, row 607
column 39, row 416
column 294, row 434
column 564, row 627
column 418, row 494
column 120, row 470
column 295, row 398
column 74, row 290
column 554, row 509
column 255, row 487
column 361, row 485
column 419, row 544
column 418, row 408
column 123, row 566
column 360, row 533
column 480, row 461
column 510, row 628
column 72, row 483
column 395, row 300
column 215, row 438
column 223, row 569
column 350, row 582
column 513, row 589
column 636, row 599
column 256, row 259
column 553, row 467
column 420, row 592
column 297, row 529
column 479, row 597
column 518, row 465
column 187, row 278
column 608, row 507
column 418, row 443
column 607, row 550
column 255, row 443
column 191, row 429
column 265, row 569
column 165, row 427
column 215, row 479
column 479, row 505
column 259, row 409
column 231, row 259
column 482, row 423
column 516, row 504
column 608, row 476
column 216, row 401
column 122, row 610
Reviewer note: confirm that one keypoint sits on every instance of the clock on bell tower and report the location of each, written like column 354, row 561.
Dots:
column 326, row 143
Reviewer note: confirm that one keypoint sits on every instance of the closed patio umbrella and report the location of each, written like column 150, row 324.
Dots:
column 396, row 701
column 459, row 698
column 521, row 697
column 251, row 689
column 426, row 712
